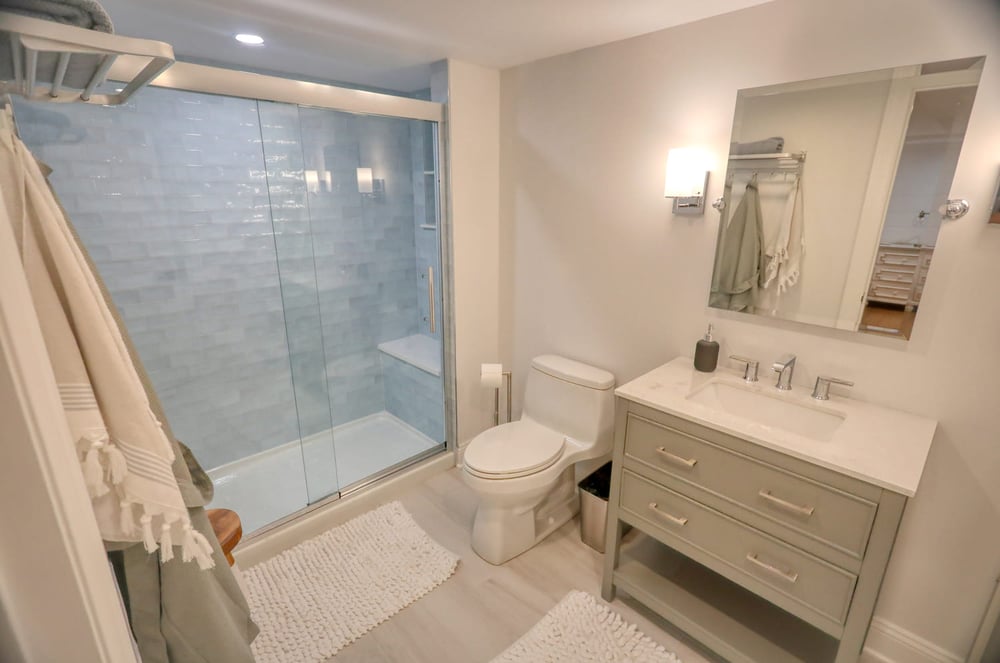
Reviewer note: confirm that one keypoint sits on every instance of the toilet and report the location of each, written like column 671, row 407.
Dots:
column 525, row 472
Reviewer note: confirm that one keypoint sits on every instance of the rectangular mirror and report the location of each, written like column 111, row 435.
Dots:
column 833, row 188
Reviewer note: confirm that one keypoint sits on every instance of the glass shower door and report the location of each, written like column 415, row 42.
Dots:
column 355, row 209
column 371, row 189
column 288, row 188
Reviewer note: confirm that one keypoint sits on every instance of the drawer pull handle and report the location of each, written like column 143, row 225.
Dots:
column 677, row 460
column 805, row 511
column 680, row 522
column 790, row 576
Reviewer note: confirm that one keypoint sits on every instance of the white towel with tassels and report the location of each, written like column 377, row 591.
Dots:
column 783, row 255
column 784, row 245
column 124, row 454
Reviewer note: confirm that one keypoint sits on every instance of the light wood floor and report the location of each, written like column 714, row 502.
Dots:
column 482, row 609
column 888, row 318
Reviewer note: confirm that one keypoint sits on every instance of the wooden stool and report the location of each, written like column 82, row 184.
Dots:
column 228, row 529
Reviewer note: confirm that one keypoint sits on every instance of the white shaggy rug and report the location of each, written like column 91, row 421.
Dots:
column 581, row 629
column 313, row 600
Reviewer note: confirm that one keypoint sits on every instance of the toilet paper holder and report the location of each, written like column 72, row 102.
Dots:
column 496, row 400
column 493, row 375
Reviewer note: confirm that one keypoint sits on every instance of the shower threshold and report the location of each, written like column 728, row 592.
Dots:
column 269, row 487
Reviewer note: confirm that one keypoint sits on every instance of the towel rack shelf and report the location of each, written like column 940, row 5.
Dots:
column 796, row 157
column 784, row 162
column 50, row 61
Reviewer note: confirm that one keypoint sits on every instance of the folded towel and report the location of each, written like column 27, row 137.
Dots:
column 766, row 146
column 87, row 14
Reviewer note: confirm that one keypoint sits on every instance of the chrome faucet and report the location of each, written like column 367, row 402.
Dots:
column 821, row 391
column 784, row 367
column 750, row 372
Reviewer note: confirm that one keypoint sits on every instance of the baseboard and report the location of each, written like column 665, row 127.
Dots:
column 889, row 643
column 315, row 522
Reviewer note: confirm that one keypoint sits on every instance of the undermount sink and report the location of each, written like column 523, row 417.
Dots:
column 775, row 411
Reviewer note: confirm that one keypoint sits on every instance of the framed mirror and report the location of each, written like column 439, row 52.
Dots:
column 833, row 187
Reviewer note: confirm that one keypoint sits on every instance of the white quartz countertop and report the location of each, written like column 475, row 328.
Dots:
column 875, row 444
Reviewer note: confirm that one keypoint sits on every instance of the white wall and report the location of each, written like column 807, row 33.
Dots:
column 593, row 265
column 473, row 96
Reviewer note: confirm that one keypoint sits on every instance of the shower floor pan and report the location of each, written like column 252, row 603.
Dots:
column 271, row 485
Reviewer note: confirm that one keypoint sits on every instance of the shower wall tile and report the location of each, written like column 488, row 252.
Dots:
column 415, row 396
column 169, row 195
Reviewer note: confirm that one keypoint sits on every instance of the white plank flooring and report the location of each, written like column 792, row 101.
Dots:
column 482, row 609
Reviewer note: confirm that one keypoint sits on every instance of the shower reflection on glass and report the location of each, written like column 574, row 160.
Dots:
column 276, row 267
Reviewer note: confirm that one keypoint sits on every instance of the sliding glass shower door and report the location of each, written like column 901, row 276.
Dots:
column 278, row 268
column 355, row 208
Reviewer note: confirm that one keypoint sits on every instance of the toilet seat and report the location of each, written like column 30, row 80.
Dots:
column 514, row 450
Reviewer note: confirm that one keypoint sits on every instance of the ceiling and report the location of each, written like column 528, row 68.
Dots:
column 391, row 43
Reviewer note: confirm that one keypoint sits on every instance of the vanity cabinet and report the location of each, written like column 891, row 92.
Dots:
column 899, row 274
column 761, row 556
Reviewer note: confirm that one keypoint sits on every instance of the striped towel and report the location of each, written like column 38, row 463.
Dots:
column 124, row 454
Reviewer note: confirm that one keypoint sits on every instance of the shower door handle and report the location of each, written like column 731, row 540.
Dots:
column 430, row 300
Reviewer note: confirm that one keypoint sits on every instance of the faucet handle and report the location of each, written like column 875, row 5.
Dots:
column 750, row 372
column 821, row 391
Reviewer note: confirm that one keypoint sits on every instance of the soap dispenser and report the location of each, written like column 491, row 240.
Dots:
column 706, row 353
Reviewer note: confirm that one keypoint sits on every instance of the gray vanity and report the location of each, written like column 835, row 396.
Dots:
column 765, row 518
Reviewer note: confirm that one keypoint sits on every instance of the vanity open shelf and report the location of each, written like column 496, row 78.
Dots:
column 767, row 543
column 711, row 608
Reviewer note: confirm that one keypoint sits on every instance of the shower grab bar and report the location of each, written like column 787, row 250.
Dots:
column 430, row 299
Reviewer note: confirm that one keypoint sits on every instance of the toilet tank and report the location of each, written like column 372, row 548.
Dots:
column 572, row 398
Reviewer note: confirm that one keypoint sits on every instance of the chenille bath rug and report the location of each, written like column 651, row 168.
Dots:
column 316, row 598
column 581, row 629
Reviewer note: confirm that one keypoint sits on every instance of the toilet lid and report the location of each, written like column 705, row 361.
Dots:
column 513, row 450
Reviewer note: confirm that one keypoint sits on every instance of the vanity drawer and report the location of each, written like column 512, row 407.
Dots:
column 742, row 553
column 785, row 500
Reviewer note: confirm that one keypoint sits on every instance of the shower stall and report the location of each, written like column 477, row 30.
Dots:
column 278, row 264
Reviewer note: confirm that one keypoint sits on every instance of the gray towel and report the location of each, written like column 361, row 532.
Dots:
column 738, row 258
column 87, row 14
column 766, row 146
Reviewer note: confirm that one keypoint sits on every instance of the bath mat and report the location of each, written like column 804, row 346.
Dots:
column 582, row 629
column 313, row 600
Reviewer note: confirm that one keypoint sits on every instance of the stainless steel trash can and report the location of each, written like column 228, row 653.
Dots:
column 594, row 491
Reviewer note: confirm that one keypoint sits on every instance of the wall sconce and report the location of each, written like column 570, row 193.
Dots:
column 687, row 179
column 316, row 179
column 368, row 185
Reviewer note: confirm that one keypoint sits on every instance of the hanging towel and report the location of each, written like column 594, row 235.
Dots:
column 125, row 456
column 737, row 264
column 177, row 612
column 791, row 266
column 87, row 14
column 782, row 259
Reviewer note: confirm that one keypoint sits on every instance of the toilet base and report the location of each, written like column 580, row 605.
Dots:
column 501, row 533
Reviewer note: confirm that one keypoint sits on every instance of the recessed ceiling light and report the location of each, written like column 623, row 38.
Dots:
column 254, row 40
